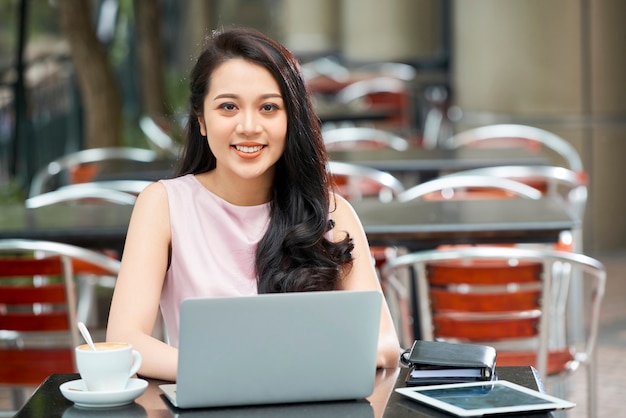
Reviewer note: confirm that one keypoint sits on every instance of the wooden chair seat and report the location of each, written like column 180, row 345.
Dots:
column 470, row 194
column 17, row 365
column 485, row 287
column 485, row 331
column 470, row 186
column 362, row 138
column 85, row 165
column 38, row 308
column 487, row 193
column 483, row 272
column 558, row 360
column 84, row 173
column 381, row 93
column 443, row 301
column 356, row 188
column 533, row 320
column 48, row 321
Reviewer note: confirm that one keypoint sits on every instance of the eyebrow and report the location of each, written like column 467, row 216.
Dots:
column 234, row 96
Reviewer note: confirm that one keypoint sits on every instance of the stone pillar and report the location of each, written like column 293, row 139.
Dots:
column 605, row 86
column 310, row 27
column 391, row 30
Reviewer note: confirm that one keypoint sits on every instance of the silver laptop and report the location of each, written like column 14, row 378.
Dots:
column 276, row 348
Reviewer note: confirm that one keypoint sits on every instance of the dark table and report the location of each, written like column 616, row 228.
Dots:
column 85, row 225
column 419, row 225
column 47, row 401
column 136, row 170
column 349, row 114
column 419, row 164
column 414, row 225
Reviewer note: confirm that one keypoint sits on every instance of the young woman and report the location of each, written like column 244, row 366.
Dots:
column 251, row 210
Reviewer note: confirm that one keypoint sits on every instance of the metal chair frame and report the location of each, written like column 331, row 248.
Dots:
column 81, row 191
column 524, row 132
column 362, row 88
column 92, row 155
column 69, row 261
column 355, row 135
column 158, row 139
column 390, row 186
column 568, row 185
column 556, row 178
column 560, row 268
column 129, row 186
column 447, row 185
column 368, row 89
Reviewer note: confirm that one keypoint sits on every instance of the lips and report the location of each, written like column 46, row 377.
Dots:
column 248, row 151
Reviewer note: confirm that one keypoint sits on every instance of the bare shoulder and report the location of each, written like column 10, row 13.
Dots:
column 149, row 227
column 152, row 207
column 339, row 206
column 153, row 193
column 344, row 216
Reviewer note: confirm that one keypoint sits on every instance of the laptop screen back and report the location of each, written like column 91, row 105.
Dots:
column 277, row 348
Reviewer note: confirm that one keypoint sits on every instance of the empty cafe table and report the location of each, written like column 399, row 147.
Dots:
column 102, row 225
column 424, row 164
column 414, row 225
column 419, row 225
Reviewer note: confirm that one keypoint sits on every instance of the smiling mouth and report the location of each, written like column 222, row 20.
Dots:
column 249, row 150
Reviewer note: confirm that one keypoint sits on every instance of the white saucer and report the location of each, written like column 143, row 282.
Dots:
column 76, row 391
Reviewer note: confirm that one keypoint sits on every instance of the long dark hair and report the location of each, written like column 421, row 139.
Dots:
column 294, row 255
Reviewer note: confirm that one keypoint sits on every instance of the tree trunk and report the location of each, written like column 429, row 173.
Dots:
column 98, row 86
column 150, row 58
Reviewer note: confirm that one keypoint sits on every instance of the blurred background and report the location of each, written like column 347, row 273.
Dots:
column 78, row 74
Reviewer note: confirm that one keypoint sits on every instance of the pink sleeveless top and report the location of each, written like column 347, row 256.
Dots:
column 213, row 247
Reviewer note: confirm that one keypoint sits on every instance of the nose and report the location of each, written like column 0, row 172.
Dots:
column 248, row 123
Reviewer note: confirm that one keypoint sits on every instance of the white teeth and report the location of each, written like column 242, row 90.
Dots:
column 249, row 149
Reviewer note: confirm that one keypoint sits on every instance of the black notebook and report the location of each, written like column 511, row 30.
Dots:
column 436, row 362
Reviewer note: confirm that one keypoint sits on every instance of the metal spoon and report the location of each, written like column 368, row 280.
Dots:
column 86, row 335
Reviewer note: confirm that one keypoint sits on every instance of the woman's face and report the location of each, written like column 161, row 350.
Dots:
column 244, row 119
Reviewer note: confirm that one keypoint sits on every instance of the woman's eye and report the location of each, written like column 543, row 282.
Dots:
column 228, row 106
column 268, row 107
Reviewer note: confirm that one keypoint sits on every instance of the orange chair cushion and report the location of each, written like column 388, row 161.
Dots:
column 33, row 366
column 443, row 300
column 483, row 272
column 479, row 331
column 558, row 360
column 84, row 173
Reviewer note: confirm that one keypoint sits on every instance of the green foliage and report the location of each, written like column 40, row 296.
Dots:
column 131, row 133
column 8, row 29
column 11, row 192
column 176, row 91
column 41, row 21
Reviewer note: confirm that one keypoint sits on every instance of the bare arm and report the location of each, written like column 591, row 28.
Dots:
column 363, row 276
column 135, row 303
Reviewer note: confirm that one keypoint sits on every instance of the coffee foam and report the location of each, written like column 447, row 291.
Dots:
column 104, row 346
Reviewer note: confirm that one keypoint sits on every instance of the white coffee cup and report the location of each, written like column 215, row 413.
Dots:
column 109, row 367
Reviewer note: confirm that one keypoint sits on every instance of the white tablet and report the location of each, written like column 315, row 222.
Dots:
column 484, row 398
